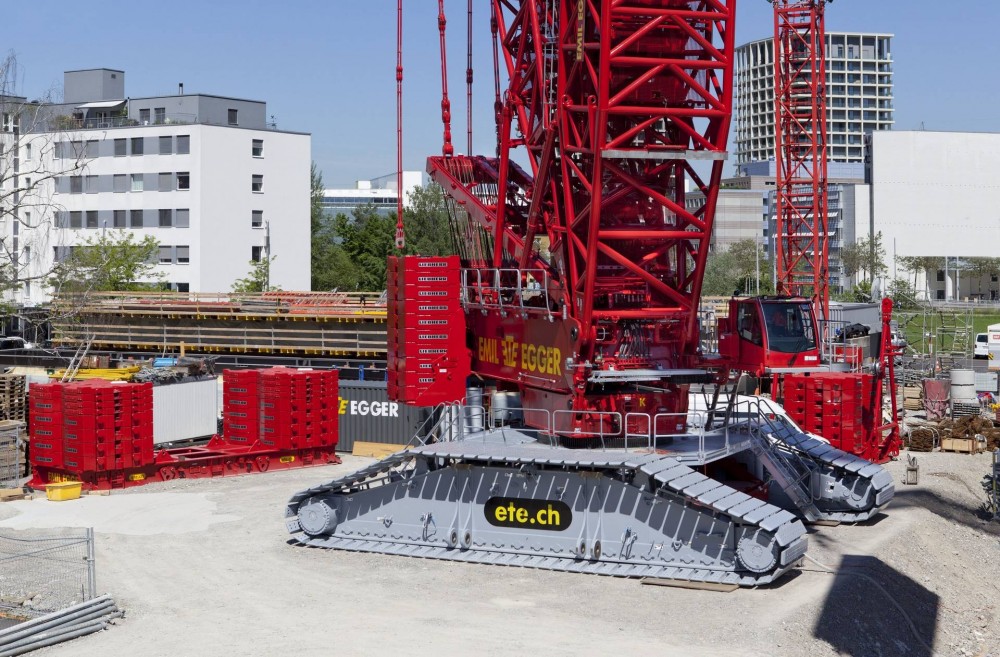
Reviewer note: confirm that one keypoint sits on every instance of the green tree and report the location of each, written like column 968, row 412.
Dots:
column 902, row 293
column 426, row 224
column 367, row 240
column 259, row 278
column 111, row 261
column 735, row 270
column 866, row 255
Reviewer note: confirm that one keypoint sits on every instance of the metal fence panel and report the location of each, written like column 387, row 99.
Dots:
column 185, row 410
column 11, row 455
column 45, row 570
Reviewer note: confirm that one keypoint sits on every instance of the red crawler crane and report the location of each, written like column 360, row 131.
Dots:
column 582, row 273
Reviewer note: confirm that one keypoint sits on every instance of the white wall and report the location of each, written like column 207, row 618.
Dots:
column 227, row 203
column 936, row 194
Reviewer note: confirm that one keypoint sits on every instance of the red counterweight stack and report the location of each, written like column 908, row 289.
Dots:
column 281, row 408
column 91, row 426
column 241, row 406
column 839, row 406
column 427, row 358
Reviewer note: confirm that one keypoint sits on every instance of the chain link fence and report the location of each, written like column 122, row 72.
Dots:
column 45, row 570
column 11, row 454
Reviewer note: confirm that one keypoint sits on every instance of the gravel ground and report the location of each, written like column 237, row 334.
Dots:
column 203, row 568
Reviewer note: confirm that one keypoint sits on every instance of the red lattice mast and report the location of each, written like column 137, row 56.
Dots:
column 800, row 150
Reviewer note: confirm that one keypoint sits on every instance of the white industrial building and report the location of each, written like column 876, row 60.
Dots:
column 382, row 192
column 935, row 194
column 202, row 174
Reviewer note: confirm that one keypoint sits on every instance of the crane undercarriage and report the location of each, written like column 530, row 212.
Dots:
column 501, row 497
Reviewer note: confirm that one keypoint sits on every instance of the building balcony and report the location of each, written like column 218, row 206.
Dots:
column 66, row 122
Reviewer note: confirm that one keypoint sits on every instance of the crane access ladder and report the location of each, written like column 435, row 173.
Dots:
column 789, row 470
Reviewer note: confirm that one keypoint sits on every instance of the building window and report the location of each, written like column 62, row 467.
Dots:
column 137, row 146
column 993, row 278
column 90, row 184
column 76, row 219
column 166, row 255
column 119, row 221
column 135, row 219
column 182, row 218
column 160, row 115
column 166, row 182
column 257, row 219
column 183, row 180
column 256, row 253
column 166, row 145
column 120, row 183
column 183, row 144
column 121, row 148
column 91, row 218
column 940, row 275
column 234, row 117
column 183, row 255
column 257, row 150
column 8, row 122
column 183, row 287
column 257, row 184
column 27, row 184
column 137, row 182
column 76, row 184
column 27, row 151
column 166, row 218
column 144, row 116
column 91, row 148
column 940, row 295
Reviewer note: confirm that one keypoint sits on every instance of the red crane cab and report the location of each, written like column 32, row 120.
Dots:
column 765, row 335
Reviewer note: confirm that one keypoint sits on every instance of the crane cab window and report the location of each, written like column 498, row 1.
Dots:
column 749, row 323
column 789, row 327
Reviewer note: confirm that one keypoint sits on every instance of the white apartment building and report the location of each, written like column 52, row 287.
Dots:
column 202, row 174
column 859, row 95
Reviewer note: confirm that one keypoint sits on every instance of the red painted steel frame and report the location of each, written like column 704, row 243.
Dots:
column 800, row 151
column 610, row 104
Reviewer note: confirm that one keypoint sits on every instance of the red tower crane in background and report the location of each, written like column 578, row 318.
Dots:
column 801, row 244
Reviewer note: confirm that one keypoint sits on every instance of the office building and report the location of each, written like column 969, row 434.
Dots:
column 859, row 95
column 381, row 192
column 203, row 174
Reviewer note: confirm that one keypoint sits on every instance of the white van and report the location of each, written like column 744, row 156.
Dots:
column 982, row 346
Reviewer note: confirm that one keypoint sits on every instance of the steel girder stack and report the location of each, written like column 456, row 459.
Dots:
column 801, row 243
column 610, row 103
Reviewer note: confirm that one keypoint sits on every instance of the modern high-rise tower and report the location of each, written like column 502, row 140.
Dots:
column 859, row 95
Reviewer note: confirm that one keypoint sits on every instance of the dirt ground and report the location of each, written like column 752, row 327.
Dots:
column 204, row 568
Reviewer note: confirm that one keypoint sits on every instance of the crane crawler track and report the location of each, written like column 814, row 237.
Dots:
column 587, row 511
column 855, row 489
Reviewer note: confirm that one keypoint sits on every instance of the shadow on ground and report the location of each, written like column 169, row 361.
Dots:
column 873, row 610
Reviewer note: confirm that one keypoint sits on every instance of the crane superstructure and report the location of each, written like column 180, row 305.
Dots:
column 579, row 272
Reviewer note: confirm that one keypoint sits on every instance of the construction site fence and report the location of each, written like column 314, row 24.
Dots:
column 11, row 457
column 45, row 570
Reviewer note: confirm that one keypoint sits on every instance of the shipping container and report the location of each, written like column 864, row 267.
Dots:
column 367, row 415
column 182, row 411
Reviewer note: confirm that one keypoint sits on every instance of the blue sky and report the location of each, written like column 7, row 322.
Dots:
column 327, row 66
